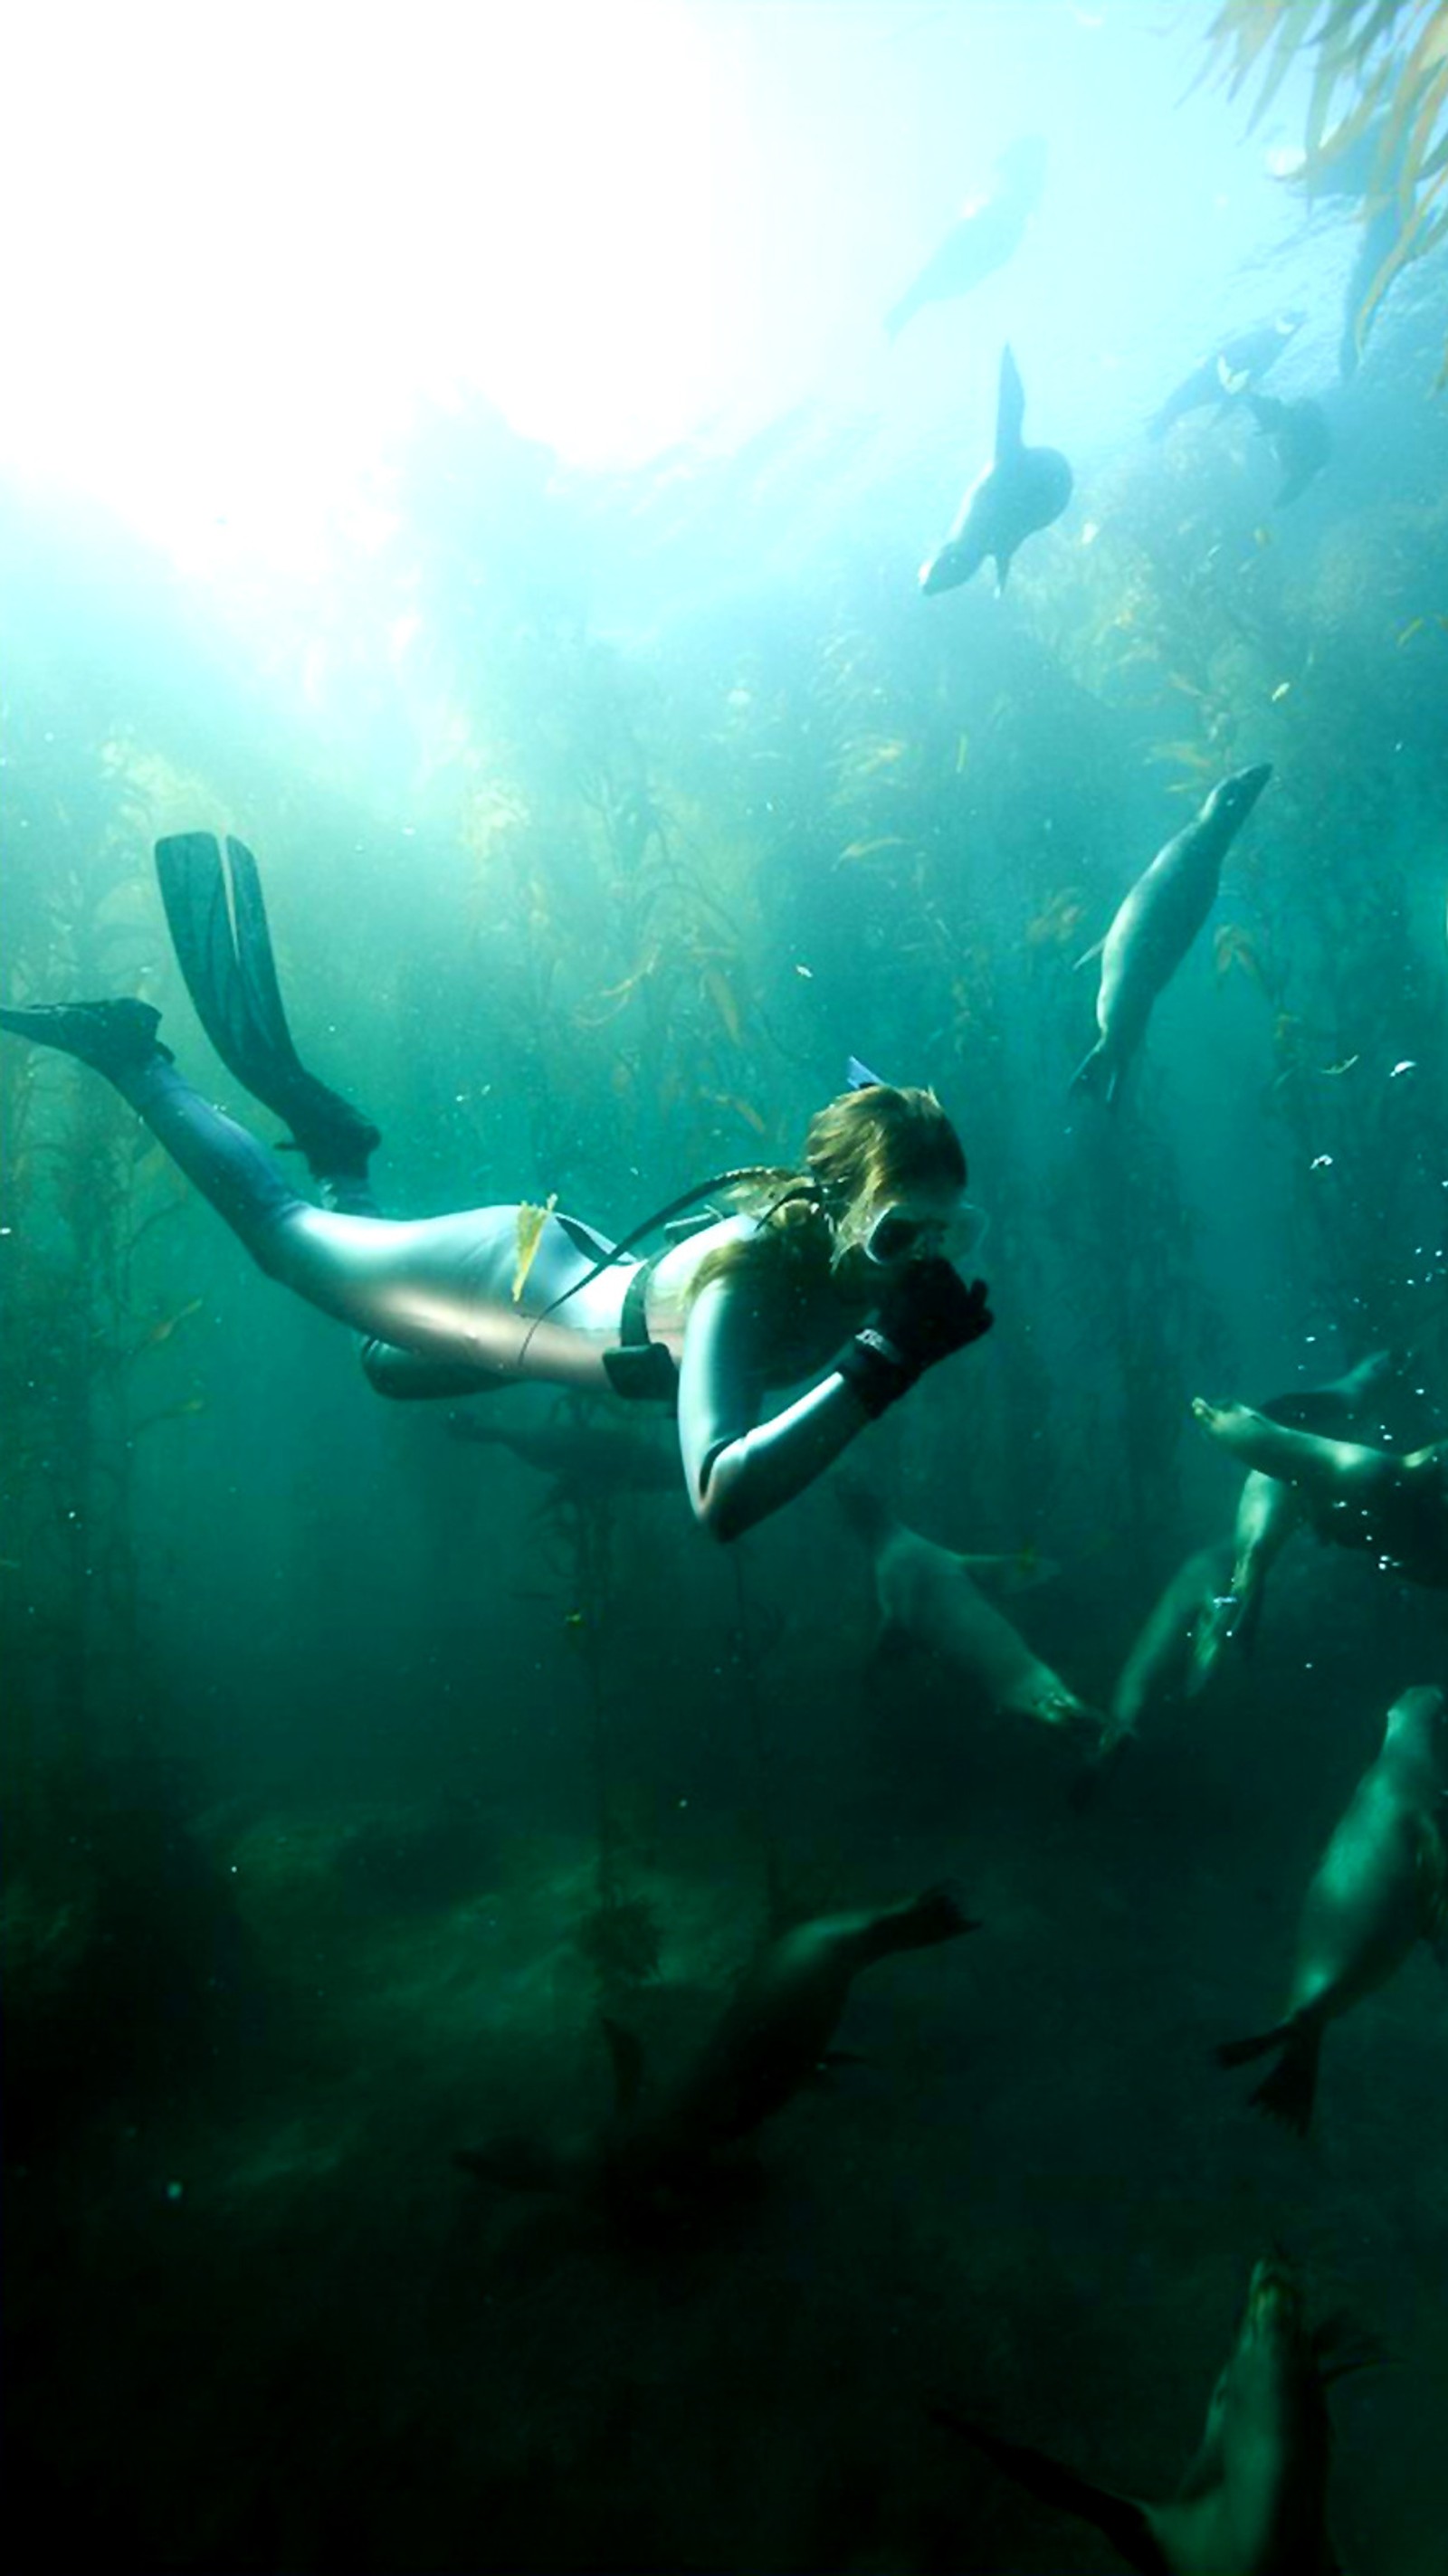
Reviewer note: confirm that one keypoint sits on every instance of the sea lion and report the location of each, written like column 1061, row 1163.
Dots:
column 1022, row 489
column 984, row 235
column 1299, row 437
column 1253, row 2501
column 1380, row 1886
column 1395, row 1508
column 1269, row 1513
column 1160, row 1661
column 925, row 1593
column 1232, row 368
column 771, row 2040
column 1156, row 924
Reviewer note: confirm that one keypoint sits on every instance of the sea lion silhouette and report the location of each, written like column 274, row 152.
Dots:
column 772, row 2039
column 1022, row 489
column 983, row 237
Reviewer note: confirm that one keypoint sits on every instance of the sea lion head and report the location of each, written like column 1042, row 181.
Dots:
column 1233, row 797
column 952, row 564
column 1418, row 1725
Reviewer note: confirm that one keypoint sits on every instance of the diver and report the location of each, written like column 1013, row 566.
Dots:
column 850, row 1248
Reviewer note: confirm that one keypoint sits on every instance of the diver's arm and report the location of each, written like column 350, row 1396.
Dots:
column 737, row 1468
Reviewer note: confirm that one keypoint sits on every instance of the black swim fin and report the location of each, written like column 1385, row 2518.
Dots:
column 114, row 1037
column 217, row 915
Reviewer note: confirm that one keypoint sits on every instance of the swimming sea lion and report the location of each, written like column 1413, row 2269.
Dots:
column 983, row 236
column 1300, row 440
column 1395, row 1508
column 771, row 2040
column 1253, row 2501
column 925, row 1593
column 1022, row 489
column 1232, row 368
column 1160, row 1661
column 1380, row 1886
column 1269, row 1512
column 1156, row 924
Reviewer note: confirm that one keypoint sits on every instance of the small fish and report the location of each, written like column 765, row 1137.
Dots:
column 871, row 849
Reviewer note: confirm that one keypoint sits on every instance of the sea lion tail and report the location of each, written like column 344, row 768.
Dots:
column 1291, row 2088
column 1124, row 2521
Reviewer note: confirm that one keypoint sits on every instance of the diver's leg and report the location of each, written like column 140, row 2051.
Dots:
column 439, row 1286
column 118, row 1039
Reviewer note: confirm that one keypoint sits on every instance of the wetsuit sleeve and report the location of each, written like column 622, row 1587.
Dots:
column 737, row 1468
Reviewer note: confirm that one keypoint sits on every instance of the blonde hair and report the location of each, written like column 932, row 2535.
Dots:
column 867, row 1147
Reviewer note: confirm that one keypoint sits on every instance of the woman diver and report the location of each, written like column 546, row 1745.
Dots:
column 852, row 1244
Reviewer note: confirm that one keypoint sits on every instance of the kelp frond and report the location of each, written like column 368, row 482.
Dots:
column 1379, row 75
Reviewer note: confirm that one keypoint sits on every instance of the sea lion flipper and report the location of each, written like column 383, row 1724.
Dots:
column 1094, row 1070
column 1290, row 2090
column 626, row 2055
column 1341, row 2345
column 1010, row 407
column 1127, row 2524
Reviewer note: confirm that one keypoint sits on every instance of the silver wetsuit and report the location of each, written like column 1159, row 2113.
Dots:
column 433, row 1298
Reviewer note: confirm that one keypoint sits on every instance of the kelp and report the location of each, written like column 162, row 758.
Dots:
column 1379, row 78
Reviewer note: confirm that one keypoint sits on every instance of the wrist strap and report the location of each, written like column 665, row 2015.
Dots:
column 875, row 1369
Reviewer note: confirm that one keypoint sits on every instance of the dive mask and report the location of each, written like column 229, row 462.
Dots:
column 925, row 1229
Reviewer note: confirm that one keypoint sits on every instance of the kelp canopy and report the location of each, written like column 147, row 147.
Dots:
column 1377, row 114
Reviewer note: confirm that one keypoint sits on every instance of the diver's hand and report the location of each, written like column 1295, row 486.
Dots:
column 925, row 1314
column 928, row 1312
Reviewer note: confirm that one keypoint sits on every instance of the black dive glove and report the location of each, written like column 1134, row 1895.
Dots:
column 924, row 1315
